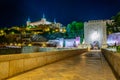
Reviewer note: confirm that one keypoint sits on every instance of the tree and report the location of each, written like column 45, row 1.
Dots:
column 116, row 19
column 75, row 29
column 109, row 28
column 115, row 25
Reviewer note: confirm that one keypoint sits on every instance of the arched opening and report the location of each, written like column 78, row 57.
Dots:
column 95, row 45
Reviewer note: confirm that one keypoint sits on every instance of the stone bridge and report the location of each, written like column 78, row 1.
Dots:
column 68, row 65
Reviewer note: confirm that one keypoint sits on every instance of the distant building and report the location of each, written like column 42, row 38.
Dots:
column 95, row 32
column 44, row 22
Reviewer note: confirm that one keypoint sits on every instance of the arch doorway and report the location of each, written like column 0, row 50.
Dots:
column 95, row 45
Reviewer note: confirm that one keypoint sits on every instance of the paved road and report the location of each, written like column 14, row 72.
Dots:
column 88, row 66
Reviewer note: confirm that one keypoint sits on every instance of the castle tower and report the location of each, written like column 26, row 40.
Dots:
column 95, row 31
column 43, row 20
column 54, row 21
column 28, row 21
column 43, row 16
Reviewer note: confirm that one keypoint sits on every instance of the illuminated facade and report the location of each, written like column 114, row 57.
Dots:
column 44, row 22
column 26, row 33
column 95, row 32
column 41, row 26
column 114, row 39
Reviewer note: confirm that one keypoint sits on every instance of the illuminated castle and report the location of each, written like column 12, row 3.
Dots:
column 42, row 22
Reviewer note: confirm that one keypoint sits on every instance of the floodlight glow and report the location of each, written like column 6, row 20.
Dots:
column 94, row 36
column 69, row 43
column 77, row 41
column 113, row 39
column 61, row 30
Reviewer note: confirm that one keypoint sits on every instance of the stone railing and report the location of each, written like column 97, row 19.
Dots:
column 10, row 51
column 11, row 65
column 114, row 61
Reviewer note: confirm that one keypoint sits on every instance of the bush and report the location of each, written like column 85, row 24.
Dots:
column 118, row 49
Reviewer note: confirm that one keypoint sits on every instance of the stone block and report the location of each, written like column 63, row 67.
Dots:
column 41, row 61
column 4, row 70
column 30, row 63
column 16, row 63
column 16, row 66
column 113, row 59
column 50, row 58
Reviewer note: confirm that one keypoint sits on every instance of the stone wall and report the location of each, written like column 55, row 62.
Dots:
column 26, row 49
column 95, row 30
column 14, row 64
column 10, row 50
column 114, row 61
column 29, row 49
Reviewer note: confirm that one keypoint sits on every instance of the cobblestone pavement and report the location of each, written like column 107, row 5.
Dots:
column 88, row 66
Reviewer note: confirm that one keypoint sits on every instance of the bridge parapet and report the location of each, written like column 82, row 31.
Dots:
column 114, row 60
column 14, row 64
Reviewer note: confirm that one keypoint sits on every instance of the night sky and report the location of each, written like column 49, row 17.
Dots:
column 16, row 12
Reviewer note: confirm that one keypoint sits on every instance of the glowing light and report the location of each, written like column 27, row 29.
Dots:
column 29, row 44
column 43, row 45
column 35, row 32
column 27, row 28
column 47, row 29
column 64, row 30
column 56, row 30
column 12, row 32
column 77, row 41
column 113, row 38
column 94, row 36
column 69, row 43
column 1, row 31
column 15, row 44
column 61, row 30
column 53, row 31
column 19, row 44
column 18, row 28
column 11, row 44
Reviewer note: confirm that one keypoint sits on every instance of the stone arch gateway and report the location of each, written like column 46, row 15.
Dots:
column 95, row 30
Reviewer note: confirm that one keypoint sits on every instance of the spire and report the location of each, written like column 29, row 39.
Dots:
column 29, row 19
column 54, row 21
column 43, row 15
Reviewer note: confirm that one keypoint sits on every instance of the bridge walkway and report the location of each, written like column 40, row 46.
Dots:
column 87, row 66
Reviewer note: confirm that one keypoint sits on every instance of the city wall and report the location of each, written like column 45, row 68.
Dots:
column 10, row 50
column 14, row 64
column 28, row 49
column 114, row 61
